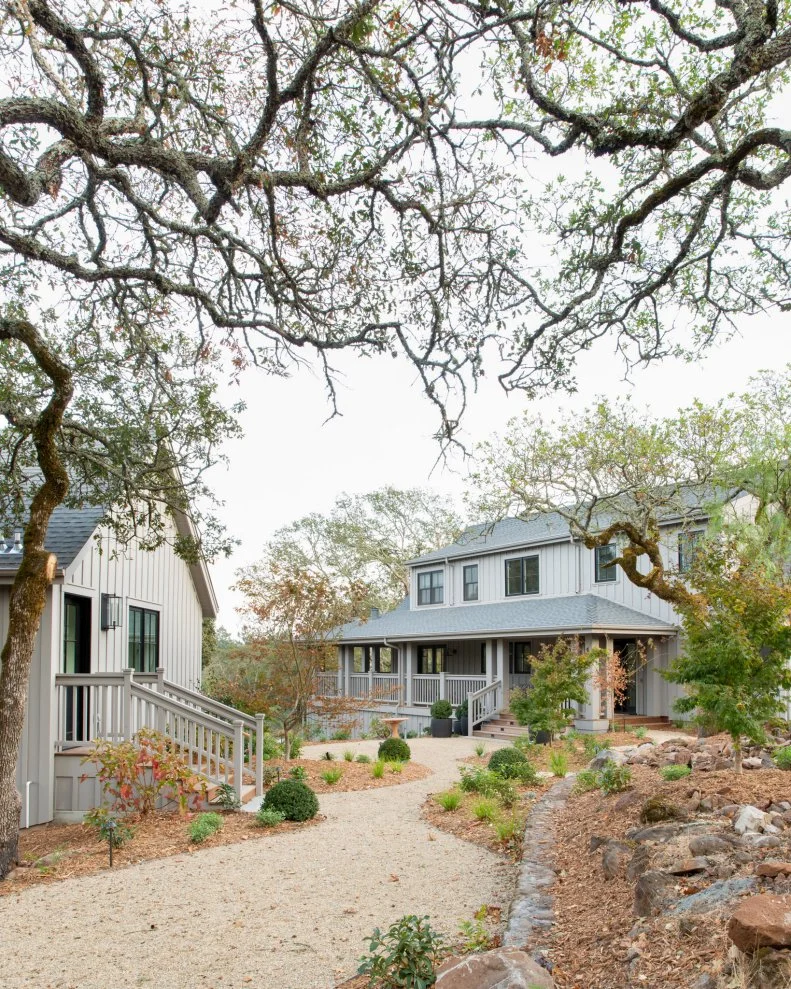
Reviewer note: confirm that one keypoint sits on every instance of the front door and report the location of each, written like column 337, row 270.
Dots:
column 627, row 650
column 77, row 659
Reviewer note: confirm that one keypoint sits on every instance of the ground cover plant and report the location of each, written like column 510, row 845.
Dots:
column 404, row 956
column 204, row 826
column 331, row 776
column 356, row 775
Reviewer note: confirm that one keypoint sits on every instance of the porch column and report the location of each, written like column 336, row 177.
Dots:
column 503, row 673
column 346, row 655
column 409, row 670
column 489, row 661
column 591, row 719
column 341, row 664
column 609, row 700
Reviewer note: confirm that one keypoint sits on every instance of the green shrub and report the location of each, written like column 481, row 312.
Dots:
column 640, row 732
column 109, row 828
column 488, row 784
column 298, row 773
column 462, row 709
column 395, row 767
column 271, row 748
column 296, row 746
column 587, row 780
column 593, row 746
column 377, row 729
column 227, row 797
column 348, row 755
column 480, row 749
column 294, row 799
column 503, row 762
column 269, row 818
column 204, row 826
column 331, row 776
column 559, row 763
column 378, row 769
column 403, row 958
column 441, row 710
column 362, row 758
column 525, row 745
column 506, row 830
column 394, row 750
column 614, row 779
column 485, row 809
column 411, row 734
column 450, row 800
column 342, row 735
column 783, row 757
column 671, row 773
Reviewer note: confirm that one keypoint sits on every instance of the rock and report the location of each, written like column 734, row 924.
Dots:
column 750, row 819
column 627, row 800
column 762, row 921
column 777, row 820
column 730, row 810
column 680, row 756
column 639, row 863
column 505, row 968
column 722, row 763
column 705, row 981
column 703, row 761
column 708, row 844
column 664, row 832
column 601, row 759
column 716, row 896
column 596, row 841
column 752, row 762
column 659, row 808
column 654, row 891
column 772, row 869
column 614, row 857
column 688, row 866
column 752, row 840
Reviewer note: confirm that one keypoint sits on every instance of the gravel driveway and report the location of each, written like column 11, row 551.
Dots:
column 289, row 912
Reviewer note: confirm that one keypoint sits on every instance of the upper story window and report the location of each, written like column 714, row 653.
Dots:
column 430, row 587
column 521, row 576
column 143, row 640
column 604, row 555
column 471, row 582
column 687, row 548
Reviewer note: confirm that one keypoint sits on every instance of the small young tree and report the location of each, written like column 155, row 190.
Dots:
column 736, row 646
column 617, row 671
column 558, row 674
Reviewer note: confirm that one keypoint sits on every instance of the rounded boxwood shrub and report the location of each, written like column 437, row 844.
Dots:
column 294, row 799
column 441, row 710
column 507, row 763
column 394, row 750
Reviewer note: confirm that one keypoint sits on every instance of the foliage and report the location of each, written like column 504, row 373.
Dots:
column 378, row 769
column 394, row 749
column 480, row 749
column 295, row 746
column 593, row 745
column 506, row 830
column 450, row 800
column 559, row 763
column 524, row 744
column 138, row 774
column 109, row 828
column 506, row 762
column 586, row 780
column 298, row 773
column 377, row 729
column 441, row 710
column 204, row 826
column 271, row 775
column 559, row 674
column 474, row 935
column 671, row 773
column 341, row 735
column 640, row 732
column 395, row 767
column 462, row 710
column 782, row 757
column 362, row 757
column 265, row 818
column 736, row 645
column 348, row 755
column 614, row 779
column 488, row 784
column 294, row 799
column 331, row 776
column 485, row 809
column 227, row 797
column 404, row 957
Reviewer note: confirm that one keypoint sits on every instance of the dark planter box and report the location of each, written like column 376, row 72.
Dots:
column 441, row 727
column 465, row 725
column 540, row 737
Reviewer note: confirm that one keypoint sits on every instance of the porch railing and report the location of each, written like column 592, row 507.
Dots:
column 216, row 739
column 327, row 685
column 484, row 704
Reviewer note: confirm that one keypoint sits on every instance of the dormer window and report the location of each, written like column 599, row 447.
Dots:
column 430, row 586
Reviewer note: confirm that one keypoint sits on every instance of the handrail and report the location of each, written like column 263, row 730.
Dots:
column 223, row 711
column 483, row 704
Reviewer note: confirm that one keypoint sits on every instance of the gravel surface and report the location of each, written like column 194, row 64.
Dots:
column 290, row 912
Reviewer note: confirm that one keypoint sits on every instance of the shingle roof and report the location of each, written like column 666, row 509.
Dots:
column 578, row 612
column 69, row 530
column 507, row 532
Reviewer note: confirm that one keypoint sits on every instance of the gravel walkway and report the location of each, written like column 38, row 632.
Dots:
column 289, row 912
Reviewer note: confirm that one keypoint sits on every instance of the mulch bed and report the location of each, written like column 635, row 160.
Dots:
column 356, row 775
column 158, row 836
column 594, row 916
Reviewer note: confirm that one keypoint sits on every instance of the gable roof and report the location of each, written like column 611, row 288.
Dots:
column 576, row 613
column 69, row 530
column 489, row 537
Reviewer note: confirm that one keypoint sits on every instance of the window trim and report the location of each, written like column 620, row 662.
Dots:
column 131, row 659
column 434, row 648
column 468, row 583
column 521, row 560
column 606, row 575
column 432, row 588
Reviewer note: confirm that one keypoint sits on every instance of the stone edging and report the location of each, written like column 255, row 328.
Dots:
column 531, row 909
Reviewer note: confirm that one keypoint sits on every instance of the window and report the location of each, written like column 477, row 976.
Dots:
column 604, row 555
column 143, row 640
column 520, row 657
column 483, row 658
column 471, row 582
column 430, row 586
column 687, row 547
column 521, row 576
column 385, row 663
column 431, row 659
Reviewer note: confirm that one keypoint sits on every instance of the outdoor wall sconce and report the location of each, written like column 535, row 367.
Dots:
column 111, row 611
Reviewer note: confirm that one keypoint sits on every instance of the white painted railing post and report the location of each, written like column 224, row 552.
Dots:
column 370, row 683
column 470, row 703
column 259, row 755
column 442, row 693
column 160, row 686
column 128, row 727
column 238, row 757
column 409, row 669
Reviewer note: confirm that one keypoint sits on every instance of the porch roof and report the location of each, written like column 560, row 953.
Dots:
column 530, row 616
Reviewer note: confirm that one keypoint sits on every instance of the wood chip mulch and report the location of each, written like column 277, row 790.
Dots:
column 79, row 853
column 589, row 942
column 356, row 775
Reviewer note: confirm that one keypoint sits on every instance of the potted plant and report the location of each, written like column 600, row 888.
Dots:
column 461, row 724
column 441, row 719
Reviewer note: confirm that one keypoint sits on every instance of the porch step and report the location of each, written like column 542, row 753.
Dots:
column 641, row 721
column 247, row 794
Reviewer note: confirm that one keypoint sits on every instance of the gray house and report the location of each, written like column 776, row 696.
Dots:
column 119, row 649
column 477, row 611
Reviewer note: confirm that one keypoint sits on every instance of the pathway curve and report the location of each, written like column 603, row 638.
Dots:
column 288, row 912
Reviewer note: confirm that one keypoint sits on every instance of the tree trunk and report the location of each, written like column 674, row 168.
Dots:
column 737, row 753
column 29, row 590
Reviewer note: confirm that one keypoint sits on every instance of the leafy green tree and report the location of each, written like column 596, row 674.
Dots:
column 734, row 663
column 558, row 674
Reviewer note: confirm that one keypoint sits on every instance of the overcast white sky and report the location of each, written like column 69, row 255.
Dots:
column 291, row 462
